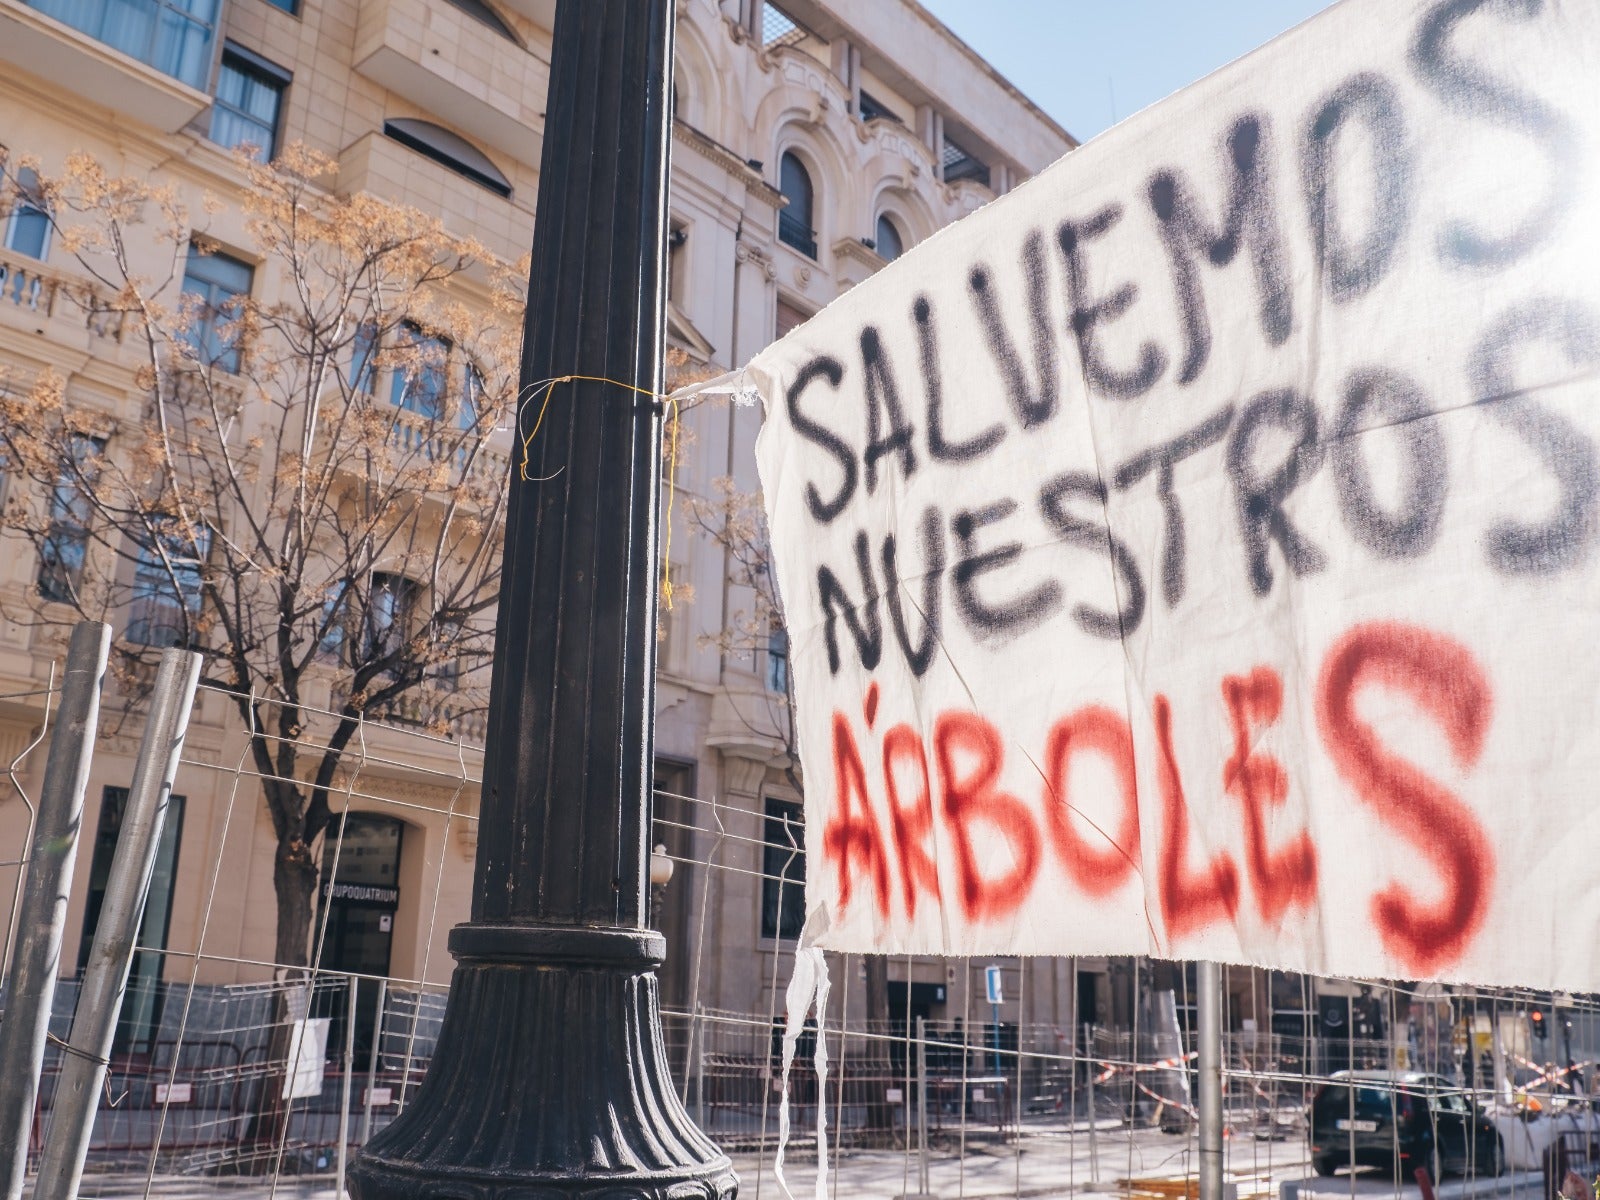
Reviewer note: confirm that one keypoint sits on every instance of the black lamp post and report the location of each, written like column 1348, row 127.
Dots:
column 550, row 1078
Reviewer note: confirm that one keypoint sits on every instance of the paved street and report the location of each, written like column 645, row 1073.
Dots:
column 1049, row 1160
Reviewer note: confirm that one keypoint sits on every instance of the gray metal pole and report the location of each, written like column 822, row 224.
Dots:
column 1209, row 1003
column 700, row 1066
column 923, row 1186
column 1094, row 1116
column 344, row 1086
column 105, row 978
column 42, row 920
column 372, row 1063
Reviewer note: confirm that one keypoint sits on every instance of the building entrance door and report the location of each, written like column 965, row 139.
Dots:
column 360, row 895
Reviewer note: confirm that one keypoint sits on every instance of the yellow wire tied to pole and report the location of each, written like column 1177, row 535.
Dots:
column 549, row 385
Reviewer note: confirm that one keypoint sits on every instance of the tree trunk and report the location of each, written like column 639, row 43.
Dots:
column 295, row 872
column 294, row 880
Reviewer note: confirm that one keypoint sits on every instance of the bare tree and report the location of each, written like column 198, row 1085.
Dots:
column 301, row 479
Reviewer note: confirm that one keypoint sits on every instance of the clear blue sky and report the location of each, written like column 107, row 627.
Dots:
column 1076, row 59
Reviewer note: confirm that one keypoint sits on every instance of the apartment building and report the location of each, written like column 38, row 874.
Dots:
column 813, row 143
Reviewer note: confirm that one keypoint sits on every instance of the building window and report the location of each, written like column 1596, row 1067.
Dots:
column 453, row 667
column 173, row 36
column 335, row 619
column 472, row 397
column 363, row 353
column 28, row 226
column 292, row 7
column 390, row 612
column 483, row 14
column 167, row 577
column 873, row 109
column 789, row 317
column 783, row 870
column 249, row 102
column 217, row 286
column 794, row 220
column 140, row 1017
column 889, row 245
column 448, row 150
column 677, row 254
column 778, row 660
column 61, row 554
column 421, row 381
column 958, row 165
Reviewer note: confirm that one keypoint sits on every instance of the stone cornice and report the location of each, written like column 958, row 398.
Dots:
column 730, row 162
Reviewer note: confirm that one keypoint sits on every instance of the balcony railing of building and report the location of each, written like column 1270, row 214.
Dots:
column 30, row 287
column 173, row 36
column 414, row 439
column 794, row 232
column 423, row 437
column 438, row 710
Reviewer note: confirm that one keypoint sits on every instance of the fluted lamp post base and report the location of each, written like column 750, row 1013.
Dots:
column 549, row 1080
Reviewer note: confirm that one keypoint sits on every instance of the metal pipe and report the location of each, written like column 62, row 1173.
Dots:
column 1209, row 1003
column 105, row 977
column 372, row 1063
column 42, row 919
column 923, row 1188
column 344, row 1086
column 1094, row 1119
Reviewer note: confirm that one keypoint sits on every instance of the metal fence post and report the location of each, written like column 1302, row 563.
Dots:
column 1209, row 1003
column 700, row 1068
column 344, row 1085
column 1094, row 1115
column 372, row 1063
column 105, row 978
column 923, row 1185
column 42, row 919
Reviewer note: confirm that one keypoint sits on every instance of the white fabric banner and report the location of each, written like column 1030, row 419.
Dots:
column 1194, row 553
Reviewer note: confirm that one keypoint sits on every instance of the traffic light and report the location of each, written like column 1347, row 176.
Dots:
column 1536, row 1019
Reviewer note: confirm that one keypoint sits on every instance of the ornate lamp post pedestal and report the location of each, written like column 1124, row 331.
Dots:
column 550, row 1079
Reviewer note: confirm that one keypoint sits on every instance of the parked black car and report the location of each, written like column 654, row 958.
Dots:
column 1403, row 1120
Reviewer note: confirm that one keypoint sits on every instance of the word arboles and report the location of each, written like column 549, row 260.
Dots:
column 879, row 837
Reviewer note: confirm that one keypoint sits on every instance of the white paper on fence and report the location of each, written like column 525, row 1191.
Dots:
column 1205, row 532
column 308, row 1046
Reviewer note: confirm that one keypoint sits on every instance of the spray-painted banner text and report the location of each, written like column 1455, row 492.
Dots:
column 1193, row 553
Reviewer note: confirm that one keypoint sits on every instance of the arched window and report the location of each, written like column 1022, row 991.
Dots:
column 448, row 150
column 794, row 221
column 890, row 246
column 479, row 11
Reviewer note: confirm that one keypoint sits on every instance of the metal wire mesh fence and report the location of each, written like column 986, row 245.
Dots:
column 229, row 1065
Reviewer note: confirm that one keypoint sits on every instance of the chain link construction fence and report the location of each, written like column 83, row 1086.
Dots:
column 229, row 1068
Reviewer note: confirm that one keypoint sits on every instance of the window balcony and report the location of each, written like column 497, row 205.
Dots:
column 476, row 79
column 383, row 166
column 36, row 296
column 150, row 59
column 796, row 233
